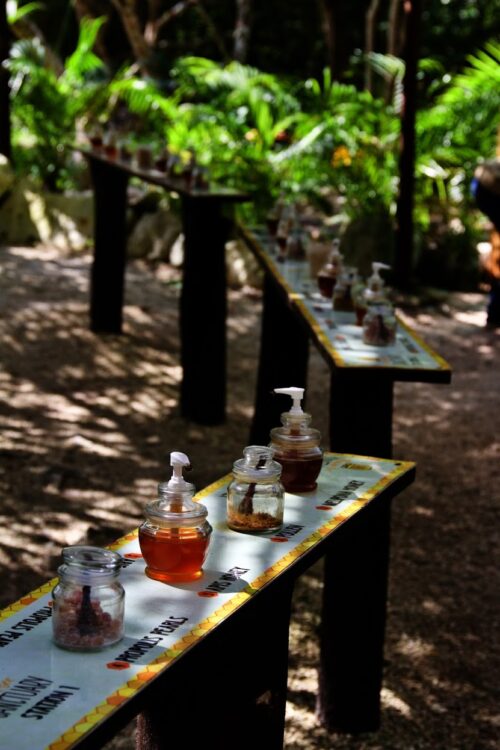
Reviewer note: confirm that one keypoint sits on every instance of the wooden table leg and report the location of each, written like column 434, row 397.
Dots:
column 203, row 309
column 284, row 353
column 353, row 623
column 361, row 413
column 356, row 570
column 110, row 239
column 231, row 695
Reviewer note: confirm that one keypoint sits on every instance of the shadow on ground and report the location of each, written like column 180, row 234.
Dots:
column 87, row 423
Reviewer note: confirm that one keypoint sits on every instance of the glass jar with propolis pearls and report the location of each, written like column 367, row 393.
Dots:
column 174, row 538
column 255, row 496
column 88, row 600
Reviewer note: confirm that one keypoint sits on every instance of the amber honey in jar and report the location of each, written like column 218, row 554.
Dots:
column 174, row 538
column 296, row 446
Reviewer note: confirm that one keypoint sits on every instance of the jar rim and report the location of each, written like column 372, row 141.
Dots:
column 85, row 562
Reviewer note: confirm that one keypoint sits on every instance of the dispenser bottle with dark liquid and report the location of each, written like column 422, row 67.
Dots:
column 373, row 292
column 328, row 274
column 296, row 446
column 175, row 537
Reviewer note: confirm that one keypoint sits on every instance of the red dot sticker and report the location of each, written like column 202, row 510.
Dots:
column 133, row 555
column 207, row 594
column 118, row 665
column 323, row 507
column 279, row 539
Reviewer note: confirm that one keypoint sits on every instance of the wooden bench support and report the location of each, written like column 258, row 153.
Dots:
column 245, row 707
column 361, row 413
column 203, row 310
column 110, row 242
column 353, row 623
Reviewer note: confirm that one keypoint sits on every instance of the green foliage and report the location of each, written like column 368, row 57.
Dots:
column 266, row 135
column 47, row 106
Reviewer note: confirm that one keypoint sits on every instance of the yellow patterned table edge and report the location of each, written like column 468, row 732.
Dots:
column 133, row 686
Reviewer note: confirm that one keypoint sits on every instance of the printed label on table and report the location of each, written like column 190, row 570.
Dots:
column 66, row 694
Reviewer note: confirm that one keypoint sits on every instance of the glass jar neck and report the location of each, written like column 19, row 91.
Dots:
column 240, row 475
column 87, row 565
column 82, row 577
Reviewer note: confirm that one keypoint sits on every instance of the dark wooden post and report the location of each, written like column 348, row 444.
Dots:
column 203, row 310
column 403, row 260
column 355, row 577
column 245, row 707
column 361, row 413
column 5, row 142
column 284, row 353
column 353, row 623
column 108, row 268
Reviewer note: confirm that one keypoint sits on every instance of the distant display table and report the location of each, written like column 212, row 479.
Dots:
column 204, row 664
column 206, row 223
column 362, row 376
column 360, row 400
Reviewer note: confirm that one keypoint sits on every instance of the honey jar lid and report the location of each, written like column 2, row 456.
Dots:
column 175, row 504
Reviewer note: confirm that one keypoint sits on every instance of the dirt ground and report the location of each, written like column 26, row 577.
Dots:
column 87, row 424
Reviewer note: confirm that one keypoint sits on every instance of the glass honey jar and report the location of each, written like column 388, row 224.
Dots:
column 296, row 446
column 175, row 536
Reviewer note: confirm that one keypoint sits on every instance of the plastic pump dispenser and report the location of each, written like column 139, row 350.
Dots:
column 175, row 537
column 379, row 322
column 296, row 445
column 296, row 394
column 376, row 283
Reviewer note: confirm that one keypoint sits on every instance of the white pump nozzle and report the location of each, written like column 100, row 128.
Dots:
column 178, row 461
column 297, row 394
column 335, row 254
column 376, row 282
column 377, row 266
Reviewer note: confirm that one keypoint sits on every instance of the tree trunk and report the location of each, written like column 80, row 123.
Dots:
column 395, row 29
column 403, row 261
column 370, row 27
column 328, row 27
column 5, row 142
column 213, row 31
column 242, row 29
column 133, row 29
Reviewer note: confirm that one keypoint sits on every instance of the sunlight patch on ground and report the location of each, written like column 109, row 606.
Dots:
column 490, row 451
column 90, row 446
column 391, row 700
column 300, row 718
column 429, row 605
column 416, row 648
column 473, row 318
column 70, row 533
column 419, row 510
column 36, row 253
